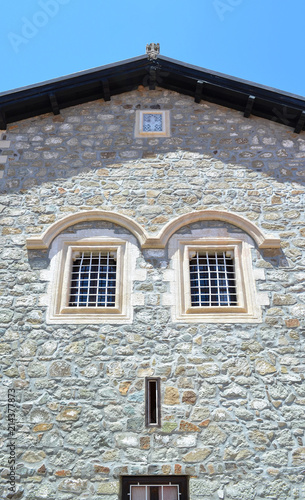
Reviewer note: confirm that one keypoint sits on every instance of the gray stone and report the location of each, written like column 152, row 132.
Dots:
column 52, row 440
column 78, row 438
column 6, row 315
column 44, row 491
column 202, row 487
column 208, row 370
column 37, row 369
column 73, row 485
column 276, row 458
column 60, row 369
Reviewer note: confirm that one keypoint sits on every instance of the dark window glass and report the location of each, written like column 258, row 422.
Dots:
column 152, row 402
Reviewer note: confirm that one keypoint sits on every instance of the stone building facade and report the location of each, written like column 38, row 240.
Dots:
column 227, row 420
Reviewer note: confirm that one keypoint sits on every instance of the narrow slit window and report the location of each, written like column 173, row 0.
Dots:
column 212, row 279
column 93, row 279
column 152, row 406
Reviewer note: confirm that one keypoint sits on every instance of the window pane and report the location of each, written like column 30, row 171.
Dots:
column 93, row 280
column 212, row 279
column 170, row 493
column 139, row 493
column 150, row 492
column 152, row 122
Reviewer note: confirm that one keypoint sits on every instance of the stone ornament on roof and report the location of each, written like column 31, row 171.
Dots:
column 152, row 51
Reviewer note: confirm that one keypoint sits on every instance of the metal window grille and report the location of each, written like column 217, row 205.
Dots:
column 212, row 279
column 154, row 492
column 152, row 122
column 93, row 280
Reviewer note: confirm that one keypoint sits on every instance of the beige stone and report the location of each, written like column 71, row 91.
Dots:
column 282, row 300
column 42, row 427
column 73, row 485
column 171, row 396
column 298, row 456
column 197, row 455
column 208, row 370
column 110, row 488
column 243, row 455
column 124, row 387
column 76, row 347
column 263, row 367
column 145, row 372
column 69, row 414
column 33, row 456
column 110, row 455
column 258, row 437
column 200, row 413
column 60, row 369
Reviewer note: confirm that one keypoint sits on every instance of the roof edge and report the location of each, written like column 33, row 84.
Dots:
column 124, row 76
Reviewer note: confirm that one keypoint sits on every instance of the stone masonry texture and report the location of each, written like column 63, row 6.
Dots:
column 232, row 395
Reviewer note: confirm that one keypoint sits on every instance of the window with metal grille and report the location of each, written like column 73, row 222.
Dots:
column 93, row 279
column 148, row 492
column 154, row 488
column 212, row 279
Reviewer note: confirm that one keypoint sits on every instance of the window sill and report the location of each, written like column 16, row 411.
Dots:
column 217, row 317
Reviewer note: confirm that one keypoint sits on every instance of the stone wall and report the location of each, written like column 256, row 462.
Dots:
column 233, row 395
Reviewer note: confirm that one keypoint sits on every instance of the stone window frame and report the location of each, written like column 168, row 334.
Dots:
column 181, row 481
column 139, row 133
column 59, row 276
column 248, row 309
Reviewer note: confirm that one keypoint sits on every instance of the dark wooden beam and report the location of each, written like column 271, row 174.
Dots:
column 106, row 89
column 249, row 106
column 300, row 123
column 198, row 90
column 54, row 104
column 152, row 77
column 2, row 120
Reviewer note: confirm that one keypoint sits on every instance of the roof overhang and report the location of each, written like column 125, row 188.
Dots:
column 113, row 79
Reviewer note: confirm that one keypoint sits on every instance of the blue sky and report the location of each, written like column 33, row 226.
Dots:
column 257, row 40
